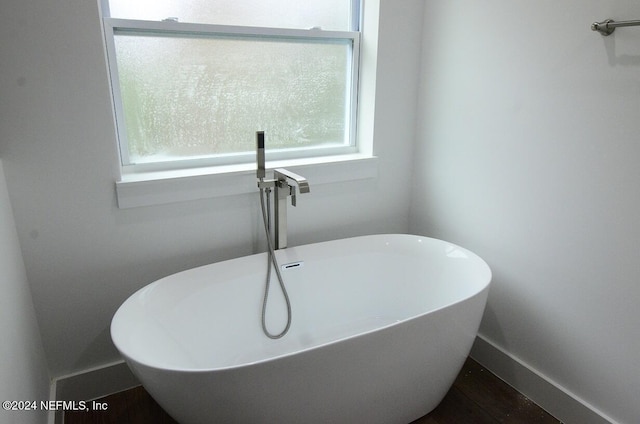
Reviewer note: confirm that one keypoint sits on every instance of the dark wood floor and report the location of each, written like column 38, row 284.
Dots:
column 477, row 397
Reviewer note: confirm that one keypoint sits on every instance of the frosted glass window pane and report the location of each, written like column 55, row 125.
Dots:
column 332, row 15
column 190, row 97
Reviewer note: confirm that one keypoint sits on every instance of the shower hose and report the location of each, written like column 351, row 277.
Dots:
column 271, row 259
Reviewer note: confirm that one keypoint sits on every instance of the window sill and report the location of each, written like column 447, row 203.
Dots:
column 157, row 188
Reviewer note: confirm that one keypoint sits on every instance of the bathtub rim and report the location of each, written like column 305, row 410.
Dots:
column 483, row 290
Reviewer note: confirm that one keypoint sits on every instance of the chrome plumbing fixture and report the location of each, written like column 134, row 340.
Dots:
column 282, row 189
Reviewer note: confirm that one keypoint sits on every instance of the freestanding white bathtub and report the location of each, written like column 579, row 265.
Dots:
column 381, row 327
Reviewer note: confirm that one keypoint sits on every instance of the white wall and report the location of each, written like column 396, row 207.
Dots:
column 23, row 368
column 527, row 153
column 84, row 256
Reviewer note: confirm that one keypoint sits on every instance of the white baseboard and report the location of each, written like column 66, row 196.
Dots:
column 91, row 384
column 51, row 415
column 553, row 398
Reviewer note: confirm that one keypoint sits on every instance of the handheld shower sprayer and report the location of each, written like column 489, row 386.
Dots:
column 284, row 183
column 261, row 170
column 265, row 191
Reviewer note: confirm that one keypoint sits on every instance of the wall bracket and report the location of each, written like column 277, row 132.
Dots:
column 607, row 26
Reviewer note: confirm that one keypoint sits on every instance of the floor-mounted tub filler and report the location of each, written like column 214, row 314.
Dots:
column 382, row 325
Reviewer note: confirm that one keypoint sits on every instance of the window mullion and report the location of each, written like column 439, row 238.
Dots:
column 185, row 29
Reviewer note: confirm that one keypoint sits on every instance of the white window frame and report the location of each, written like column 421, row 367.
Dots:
column 143, row 186
column 171, row 28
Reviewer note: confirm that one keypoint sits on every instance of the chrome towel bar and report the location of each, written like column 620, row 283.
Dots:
column 608, row 26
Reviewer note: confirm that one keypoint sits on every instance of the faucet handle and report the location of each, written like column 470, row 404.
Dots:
column 293, row 194
column 284, row 189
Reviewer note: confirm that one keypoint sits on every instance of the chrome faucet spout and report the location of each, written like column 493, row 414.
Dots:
column 282, row 174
